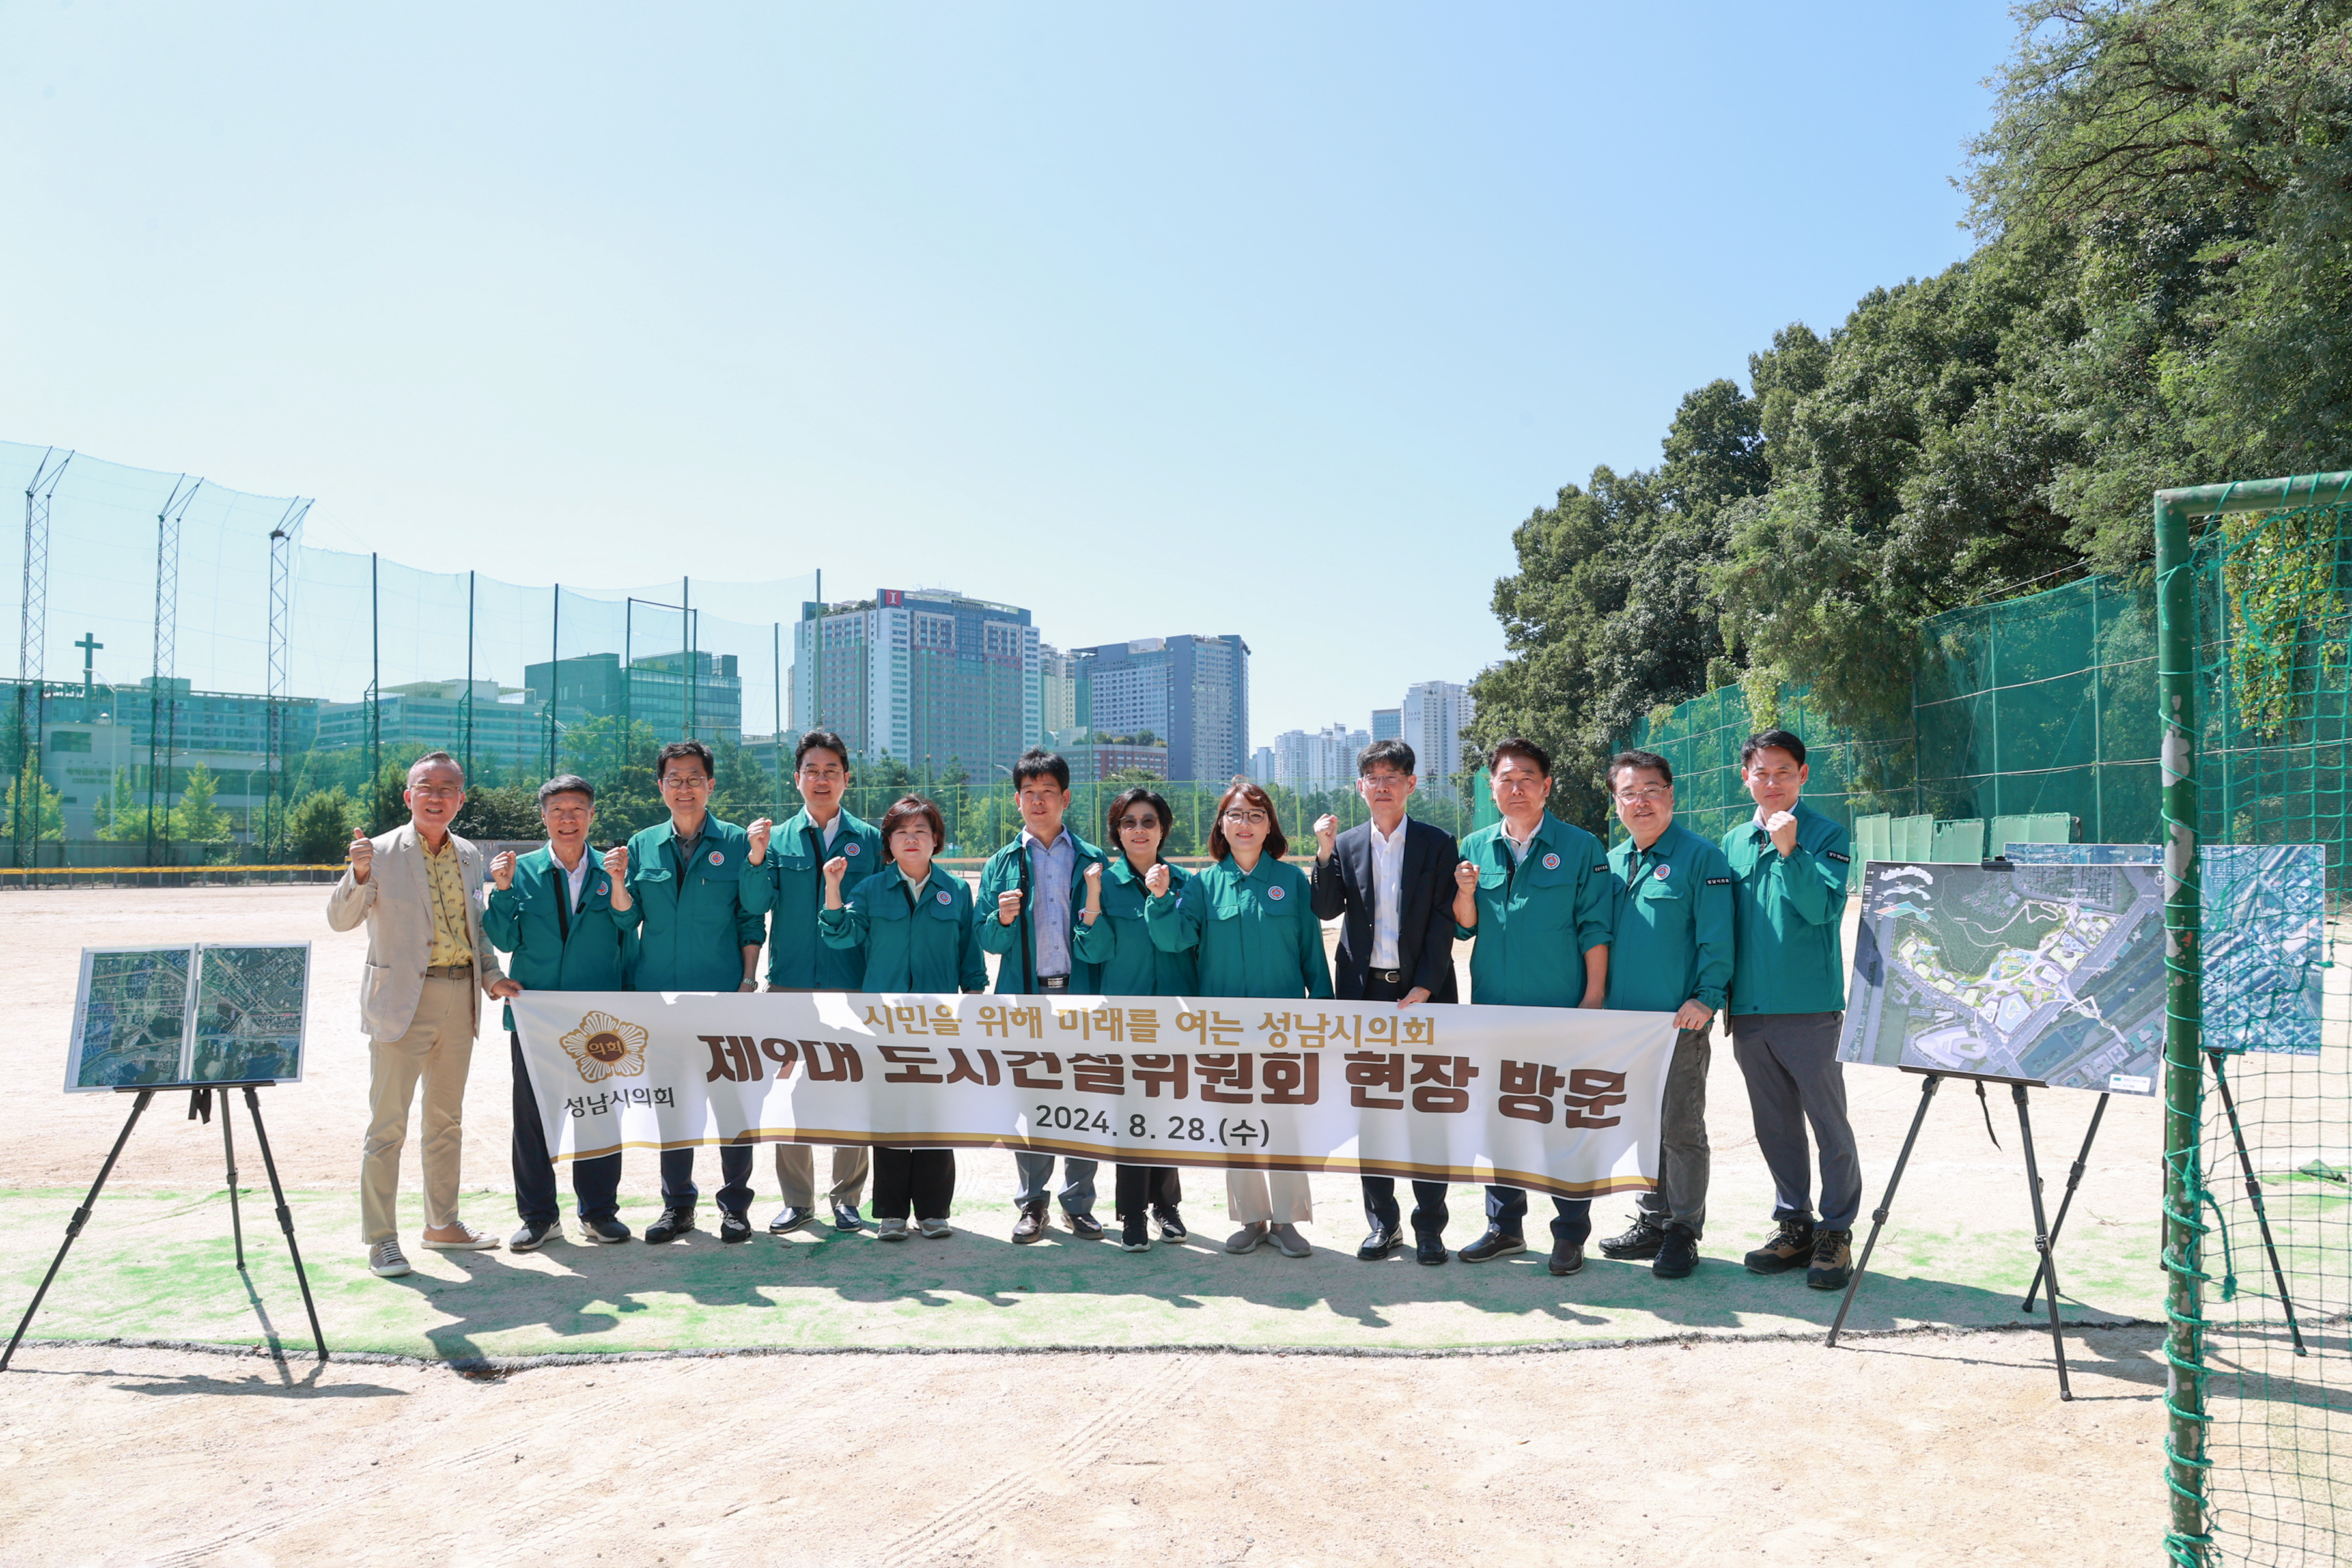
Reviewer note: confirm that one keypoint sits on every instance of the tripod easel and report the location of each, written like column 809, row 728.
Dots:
column 200, row 1102
column 2044, row 1239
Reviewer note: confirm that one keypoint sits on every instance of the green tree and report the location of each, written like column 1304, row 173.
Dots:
column 196, row 820
column 45, row 808
column 500, row 811
column 120, row 815
column 318, row 828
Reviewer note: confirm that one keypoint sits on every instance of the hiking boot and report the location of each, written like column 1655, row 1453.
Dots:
column 1641, row 1241
column 1832, row 1263
column 1789, row 1246
column 1677, row 1254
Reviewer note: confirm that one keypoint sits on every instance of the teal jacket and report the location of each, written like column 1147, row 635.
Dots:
column 551, row 948
column 788, row 886
column 1539, row 917
column 1130, row 962
column 1015, row 945
column 1673, row 940
column 925, row 943
column 691, row 928
column 1256, row 932
column 1789, row 957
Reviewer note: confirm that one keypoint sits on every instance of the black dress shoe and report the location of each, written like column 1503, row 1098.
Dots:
column 1380, row 1244
column 1085, row 1227
column 734, row 1225
column 1029, row 1226
column 1566, row 1257
column 1428, row 1249
column 1678, row 1254
column 790, row 1218
column 847, row 1219
column 673, row 1224
column 1642, row 1239
column 1496, row 1243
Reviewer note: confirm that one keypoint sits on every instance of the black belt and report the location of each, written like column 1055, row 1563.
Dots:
column 1053, row 982
column 1392, row 976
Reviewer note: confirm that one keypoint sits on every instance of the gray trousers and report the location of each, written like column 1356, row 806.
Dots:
column 1789, row 1060
column 1680, row 1198
column 1036, row 1176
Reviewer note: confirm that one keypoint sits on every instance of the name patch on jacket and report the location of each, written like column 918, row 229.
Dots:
column 1718, row 881
column 1840, row 859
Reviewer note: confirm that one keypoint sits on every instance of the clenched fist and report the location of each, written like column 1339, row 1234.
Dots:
column 1465, row 876
column 834, row 869
column 502, row 865
column 760, row 831
column 1327, row 836
column 1783, row 827
column 362, row 855
column 1008, row 907
column 616, row 862
column 1155, row 881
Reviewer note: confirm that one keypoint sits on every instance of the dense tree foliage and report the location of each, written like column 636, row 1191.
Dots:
column 2161, row 295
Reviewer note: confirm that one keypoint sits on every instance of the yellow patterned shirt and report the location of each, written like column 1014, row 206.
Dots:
column 446, row 886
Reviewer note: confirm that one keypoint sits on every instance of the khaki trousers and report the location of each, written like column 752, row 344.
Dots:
column 796, row 1164
column 437, row 1049
column 796, row 1173
column 1281, row 1196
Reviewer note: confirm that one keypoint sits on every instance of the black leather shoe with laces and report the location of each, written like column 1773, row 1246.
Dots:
column 1641, row 1241
column 734, row 1225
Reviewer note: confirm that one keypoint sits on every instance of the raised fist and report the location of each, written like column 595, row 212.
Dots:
column 1465, row 875
column 502, row 865
column 1783, row 827
column 760, row 830
column 616, row 862
column 1155, row 881
column 1327, row 836
column 834, row 869
column 1008, row 907
column 362, row 855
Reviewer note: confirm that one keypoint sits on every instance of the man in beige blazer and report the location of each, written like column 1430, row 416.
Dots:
column 419, row 889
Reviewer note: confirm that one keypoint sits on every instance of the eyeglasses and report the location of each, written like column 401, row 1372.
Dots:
column 1247, row 818
column 1639, row 796
column 685, row 781
column 1137, row 824
column 1384, row 781
column 823, row 776
column 438, row 791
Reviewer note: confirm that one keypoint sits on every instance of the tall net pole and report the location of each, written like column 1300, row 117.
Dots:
column 277, row 788
column 32, row 655
column 163, row 705
column 2184, row 1230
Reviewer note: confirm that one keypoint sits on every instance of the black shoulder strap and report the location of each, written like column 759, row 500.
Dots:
column 562, row 900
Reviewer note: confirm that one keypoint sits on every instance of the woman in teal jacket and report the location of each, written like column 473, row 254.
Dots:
column 914, row 921
column 1110, row 933
column 1251, row 920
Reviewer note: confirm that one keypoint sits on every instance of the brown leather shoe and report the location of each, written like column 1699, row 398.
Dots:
column 1029, row 1226
column 1832, row 1263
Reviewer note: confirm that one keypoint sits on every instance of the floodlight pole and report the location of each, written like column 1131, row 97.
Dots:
column 282, row 541
column 163, row 709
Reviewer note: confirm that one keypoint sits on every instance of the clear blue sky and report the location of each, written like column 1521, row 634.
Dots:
column 1272, row 320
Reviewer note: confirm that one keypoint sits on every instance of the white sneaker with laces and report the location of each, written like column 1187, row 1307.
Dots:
column 890, row 1229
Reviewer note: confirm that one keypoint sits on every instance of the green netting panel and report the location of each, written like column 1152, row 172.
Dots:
column 1959, row 843
column 2274, row 688
column 2052, row 828
column 1914, row 838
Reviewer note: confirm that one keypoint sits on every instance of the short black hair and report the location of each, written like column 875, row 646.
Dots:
column 1645, row 760
column 567, row 784
column 1764, row 740
column 1037, row 763
column 1394, row 753
column 695, row 749
column 914, row 808
column 1139, row 795
column 820, row 741
column 1527, row 751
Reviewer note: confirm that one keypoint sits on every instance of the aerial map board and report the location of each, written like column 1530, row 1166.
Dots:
column 152, row 1018
column 2265, row 924
column 2049, row 974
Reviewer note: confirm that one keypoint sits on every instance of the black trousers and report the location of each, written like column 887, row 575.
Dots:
column 1148, row 1190
column 595, row 1183
column 1429, row 1212
column 924, row 1178
column 734, row 1174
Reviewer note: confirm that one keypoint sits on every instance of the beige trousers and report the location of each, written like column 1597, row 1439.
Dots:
column 796, row 1173
column 1281, row 1196
column 796, row 1164
column 437, row 1049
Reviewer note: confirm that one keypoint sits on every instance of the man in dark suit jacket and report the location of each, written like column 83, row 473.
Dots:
column 1390, row 884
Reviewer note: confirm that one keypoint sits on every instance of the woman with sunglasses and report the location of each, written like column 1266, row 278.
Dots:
column 1110, row 933
column 914, row 921
column 1250, row 920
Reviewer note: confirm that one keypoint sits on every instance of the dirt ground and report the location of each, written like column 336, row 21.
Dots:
column 1922, row 1448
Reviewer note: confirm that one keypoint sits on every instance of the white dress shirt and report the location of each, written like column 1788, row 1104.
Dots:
column 577, row 876
column 1388, row 894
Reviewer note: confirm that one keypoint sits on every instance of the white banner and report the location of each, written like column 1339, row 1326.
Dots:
column 1560, row 1101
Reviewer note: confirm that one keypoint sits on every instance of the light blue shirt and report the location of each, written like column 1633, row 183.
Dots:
column 1050, row 870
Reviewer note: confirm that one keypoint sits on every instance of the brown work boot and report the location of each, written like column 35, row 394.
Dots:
column 1832, row 1263
column 1791, row 1246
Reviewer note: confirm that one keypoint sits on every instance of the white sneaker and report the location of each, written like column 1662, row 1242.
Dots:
column 936, row 1229
column 890, row 1229
column 387, row 1258
column 473, row 1241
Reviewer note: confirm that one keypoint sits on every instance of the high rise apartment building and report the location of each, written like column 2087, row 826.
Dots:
column 920, row 674
column 1435, row 715
column 1191, row 692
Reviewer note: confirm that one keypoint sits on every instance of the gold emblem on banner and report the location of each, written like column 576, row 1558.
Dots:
column 604, row 1046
